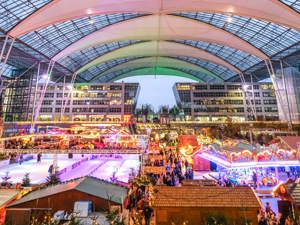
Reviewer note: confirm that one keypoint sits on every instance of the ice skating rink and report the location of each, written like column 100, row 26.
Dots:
column 100, row 166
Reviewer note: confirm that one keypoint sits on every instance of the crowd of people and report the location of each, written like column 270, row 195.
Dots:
column 137, row 201
column 268, row 217
column 257, row 177
column 175, row 167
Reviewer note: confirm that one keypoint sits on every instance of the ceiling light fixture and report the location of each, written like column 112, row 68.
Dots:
column 229, row 19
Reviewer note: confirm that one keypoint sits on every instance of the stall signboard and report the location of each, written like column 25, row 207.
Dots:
column 187, row 140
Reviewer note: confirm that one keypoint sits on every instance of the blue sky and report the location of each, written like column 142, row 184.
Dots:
column 157, row 90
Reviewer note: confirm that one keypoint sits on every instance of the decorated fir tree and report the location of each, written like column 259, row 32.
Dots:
column 53, row 179
column 74, row 221
column 114, row 217
column 26, row 180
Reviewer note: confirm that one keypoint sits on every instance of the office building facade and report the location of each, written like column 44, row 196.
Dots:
column 80, row 102
column 216, row 102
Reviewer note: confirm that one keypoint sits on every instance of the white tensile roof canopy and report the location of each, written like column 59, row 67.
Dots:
column 214, row 40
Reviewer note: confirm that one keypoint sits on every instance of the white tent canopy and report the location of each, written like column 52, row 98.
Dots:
column 166, row 27
column 159, row 48
column 62, row 10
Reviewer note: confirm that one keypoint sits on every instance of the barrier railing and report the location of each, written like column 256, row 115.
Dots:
column 74, row 151
column 72, row 166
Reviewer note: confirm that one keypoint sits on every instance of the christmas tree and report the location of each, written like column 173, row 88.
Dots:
column 53, row 179
column 26, row 180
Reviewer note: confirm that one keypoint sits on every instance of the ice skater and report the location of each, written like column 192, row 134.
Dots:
column 21, row 159
column 254, row 179
column 50, row 170
column 113, row 178
column 39, row 158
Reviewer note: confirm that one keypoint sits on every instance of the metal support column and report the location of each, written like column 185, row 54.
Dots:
column 41, row 99
column 253, row 96
column 63, row 99
column 70, row 91
column 290, row 122
column 271, row 71
column 5, row 52
column 34, row 98
column 253, row 111
column 3, row 48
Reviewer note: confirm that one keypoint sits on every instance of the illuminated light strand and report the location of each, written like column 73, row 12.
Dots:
column 227, row 164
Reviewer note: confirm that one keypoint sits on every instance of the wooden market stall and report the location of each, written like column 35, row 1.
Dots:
column 195, row 204
column 63, row 196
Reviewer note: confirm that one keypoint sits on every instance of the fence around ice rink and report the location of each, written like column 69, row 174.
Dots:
column 74, row 151
column 72, row 166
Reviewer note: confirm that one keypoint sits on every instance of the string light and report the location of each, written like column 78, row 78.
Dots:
column 89, row 11
column 45, row 76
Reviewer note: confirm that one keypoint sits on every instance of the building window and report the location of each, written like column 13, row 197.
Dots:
column 115, row 110
column 115, row 88
column 183, row 87
column 49, row 95
column 233, row 87
column 46, row 110
column 201, row 87
column 258, row 109
column 270, row 102
column 257, row 94
column 271, row 109
column 266, row 86
column 240, row 110
column 47, row 102
column 268, row 94
column 217, row 87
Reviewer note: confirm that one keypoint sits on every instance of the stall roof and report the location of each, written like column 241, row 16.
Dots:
column 294, row 190
column 290, row 141
column 6, row 195
column 197, row 196
column 88, row 185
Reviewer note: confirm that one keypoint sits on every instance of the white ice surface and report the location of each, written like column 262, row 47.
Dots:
column 37, row 171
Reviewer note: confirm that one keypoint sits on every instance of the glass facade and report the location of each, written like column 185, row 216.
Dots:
column 216, row 102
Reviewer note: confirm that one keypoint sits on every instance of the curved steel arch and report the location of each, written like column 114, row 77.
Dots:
column 159, row 48
column 150, row 71
column 158, row 62
column 62, row 10
column 165, row 27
